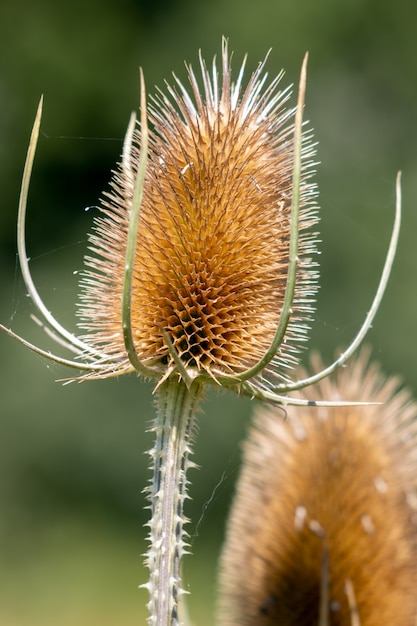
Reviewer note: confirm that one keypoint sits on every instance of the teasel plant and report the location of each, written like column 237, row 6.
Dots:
column 323, row 525
column 202, row 271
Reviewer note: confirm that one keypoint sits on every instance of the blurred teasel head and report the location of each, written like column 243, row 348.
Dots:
column 323, row 527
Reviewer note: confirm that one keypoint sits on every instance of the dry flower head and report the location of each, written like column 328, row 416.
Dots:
column 202, row 259
column 323, row 528
column 211, row 258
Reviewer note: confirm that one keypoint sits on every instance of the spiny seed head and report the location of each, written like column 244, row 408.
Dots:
column 335, row 485
column 212, row 249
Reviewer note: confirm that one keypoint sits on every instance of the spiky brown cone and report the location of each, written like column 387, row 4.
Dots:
column 213, row 239
column 327, row 492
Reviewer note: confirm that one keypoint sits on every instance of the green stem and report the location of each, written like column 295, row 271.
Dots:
column 174, row 424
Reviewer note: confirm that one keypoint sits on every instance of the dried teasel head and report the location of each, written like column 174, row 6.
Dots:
column 324, row 526
column 202, row 257
column 212, row 251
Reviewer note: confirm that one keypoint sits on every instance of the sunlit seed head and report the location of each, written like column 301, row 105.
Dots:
column 212, row 248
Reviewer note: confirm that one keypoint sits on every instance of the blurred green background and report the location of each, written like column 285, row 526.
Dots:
column 72, row 463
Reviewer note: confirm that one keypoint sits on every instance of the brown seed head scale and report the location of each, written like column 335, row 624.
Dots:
column 212, row 249
column 325, row 513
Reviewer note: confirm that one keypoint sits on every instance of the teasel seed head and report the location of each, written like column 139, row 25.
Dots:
column 213, row 240
column 323, row 528
column 202, row 261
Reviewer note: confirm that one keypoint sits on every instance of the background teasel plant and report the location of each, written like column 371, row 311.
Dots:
column 202, row 272
column 323, row 528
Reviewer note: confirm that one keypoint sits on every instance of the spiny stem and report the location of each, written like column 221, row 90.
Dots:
column 174, row 424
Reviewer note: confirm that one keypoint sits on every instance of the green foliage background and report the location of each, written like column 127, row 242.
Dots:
column 71, row 457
